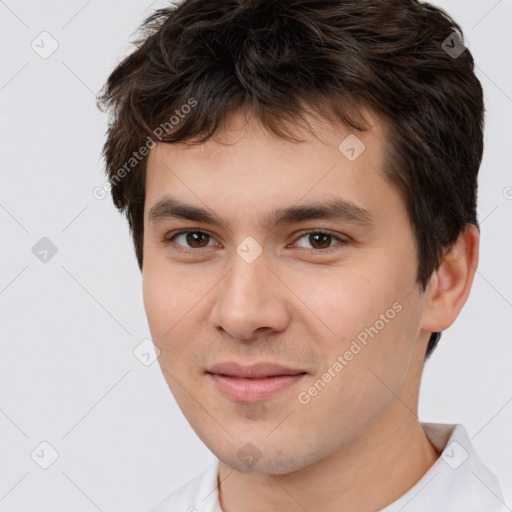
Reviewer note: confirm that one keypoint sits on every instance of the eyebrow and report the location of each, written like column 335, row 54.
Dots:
column 332, row 208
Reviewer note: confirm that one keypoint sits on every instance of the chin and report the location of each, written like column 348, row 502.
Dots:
column 252, row 458
column 269, row 466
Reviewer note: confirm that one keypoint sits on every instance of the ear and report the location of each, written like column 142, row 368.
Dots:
column 451, row 282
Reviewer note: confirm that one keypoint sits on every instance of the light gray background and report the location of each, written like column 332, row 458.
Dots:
column 69, row 326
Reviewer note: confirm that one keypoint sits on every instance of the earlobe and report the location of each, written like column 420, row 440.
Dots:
column 451, row 282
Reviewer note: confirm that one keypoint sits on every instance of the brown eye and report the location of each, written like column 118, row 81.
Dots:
column 191, row 239
column 321, row 241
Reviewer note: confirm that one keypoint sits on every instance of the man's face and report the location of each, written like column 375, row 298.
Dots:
column 340, row 309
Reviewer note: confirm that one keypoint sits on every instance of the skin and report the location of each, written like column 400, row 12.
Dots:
column 358, row 444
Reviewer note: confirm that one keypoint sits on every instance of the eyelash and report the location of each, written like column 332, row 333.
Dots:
column 168, row 240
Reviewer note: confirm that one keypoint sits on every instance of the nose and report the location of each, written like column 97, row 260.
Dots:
column 250, row 300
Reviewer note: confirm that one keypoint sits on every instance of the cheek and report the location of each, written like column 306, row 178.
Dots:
column 158, row 304
column 380, row 355
column 168, row 294
column 343, row 304
column 163, row 315
column 165, row 310
column 172, row 301
column 371, row 377
column 368, row 318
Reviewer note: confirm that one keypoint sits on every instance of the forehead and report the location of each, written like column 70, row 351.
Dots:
column 245, row 165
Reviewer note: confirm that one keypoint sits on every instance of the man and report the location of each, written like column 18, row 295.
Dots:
column 300, row 181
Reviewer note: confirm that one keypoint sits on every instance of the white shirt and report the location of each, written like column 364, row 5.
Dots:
column 457, row 482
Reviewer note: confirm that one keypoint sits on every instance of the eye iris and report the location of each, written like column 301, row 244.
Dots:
column 325, row 236
column 193, row 236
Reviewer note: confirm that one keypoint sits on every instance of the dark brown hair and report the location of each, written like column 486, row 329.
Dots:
column 279, row 58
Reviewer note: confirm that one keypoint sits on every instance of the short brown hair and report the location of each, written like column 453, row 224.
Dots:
column 278, row 58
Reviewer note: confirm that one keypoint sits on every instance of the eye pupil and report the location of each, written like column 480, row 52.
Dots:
column 193, row 236
column 325, row 236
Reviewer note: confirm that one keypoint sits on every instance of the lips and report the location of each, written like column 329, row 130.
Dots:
column 253, row 383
